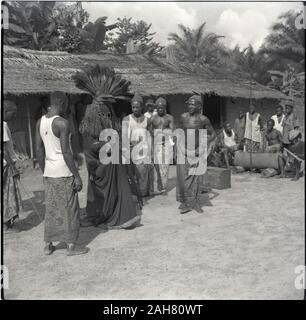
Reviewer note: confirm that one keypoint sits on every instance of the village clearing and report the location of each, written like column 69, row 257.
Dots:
column 245, row 246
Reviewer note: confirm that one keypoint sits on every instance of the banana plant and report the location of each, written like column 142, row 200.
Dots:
column 31, row 24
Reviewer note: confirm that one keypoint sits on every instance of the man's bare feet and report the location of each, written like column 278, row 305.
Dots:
column 198, row 208
column 184, row 210
column 9, row 228
column 86, row 223
column 49, row 249
column 281, row 176
column 295, row 179
column 73, row 250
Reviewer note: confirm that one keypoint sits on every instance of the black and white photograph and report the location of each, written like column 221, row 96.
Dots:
column 153, row 151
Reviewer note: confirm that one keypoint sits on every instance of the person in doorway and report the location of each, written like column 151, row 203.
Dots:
column 61, row 178
column 44, row 107
column 253, row 127
column 239, row 126
column 151, row 108
column 278, row 119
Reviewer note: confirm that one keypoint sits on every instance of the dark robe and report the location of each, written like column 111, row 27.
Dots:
column 109, row 196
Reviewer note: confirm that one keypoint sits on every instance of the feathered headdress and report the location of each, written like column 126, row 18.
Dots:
column 106, row 87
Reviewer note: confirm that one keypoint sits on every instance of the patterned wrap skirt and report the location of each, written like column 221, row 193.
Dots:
column 11, row 195
column 62, row 218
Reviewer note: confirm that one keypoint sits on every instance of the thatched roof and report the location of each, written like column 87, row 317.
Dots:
column 29, row 71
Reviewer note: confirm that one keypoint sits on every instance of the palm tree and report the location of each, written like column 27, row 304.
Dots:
column 286, row 42
column 197, row 46
column 254, row 64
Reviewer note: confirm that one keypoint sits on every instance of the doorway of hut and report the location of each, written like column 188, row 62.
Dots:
column 213, row 109
column 122, row 108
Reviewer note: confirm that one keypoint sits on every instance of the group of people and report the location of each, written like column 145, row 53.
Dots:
column 280, row 135
column 116, row 191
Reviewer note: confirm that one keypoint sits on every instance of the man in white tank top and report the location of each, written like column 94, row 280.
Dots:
column 228, row 141
column 61, row 178
column 138, row 134
column 278, row 119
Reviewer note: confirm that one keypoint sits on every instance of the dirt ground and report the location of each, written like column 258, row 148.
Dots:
column 245, row 246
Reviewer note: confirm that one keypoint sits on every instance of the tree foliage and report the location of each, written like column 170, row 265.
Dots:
column 198, row 46
column 285, row 41
column 45, row 25
column 70, row 20
column 254, row 63
column 138, row 31
column 95, row 34
column 31, row 25
column 290, row 82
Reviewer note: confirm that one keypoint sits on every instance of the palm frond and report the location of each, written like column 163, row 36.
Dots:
column 199, row 32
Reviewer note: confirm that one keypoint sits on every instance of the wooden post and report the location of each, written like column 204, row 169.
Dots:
column 30, row 134
column 221, row 110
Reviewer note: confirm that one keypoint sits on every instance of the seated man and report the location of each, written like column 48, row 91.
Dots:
column 272, row 138
column 228, row 142
column 293, row 155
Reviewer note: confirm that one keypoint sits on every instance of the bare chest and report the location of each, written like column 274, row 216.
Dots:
column 160, row 122
column 195, row 122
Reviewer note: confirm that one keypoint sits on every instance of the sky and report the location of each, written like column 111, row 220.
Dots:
column 241, row 23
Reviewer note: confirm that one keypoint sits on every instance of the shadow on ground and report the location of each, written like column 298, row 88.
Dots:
column 33, row 211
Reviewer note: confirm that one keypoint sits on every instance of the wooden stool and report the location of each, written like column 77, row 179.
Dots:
column 219, row 178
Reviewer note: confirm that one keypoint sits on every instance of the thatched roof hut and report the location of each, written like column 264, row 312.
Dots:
column 35, row 73
column 29, row 71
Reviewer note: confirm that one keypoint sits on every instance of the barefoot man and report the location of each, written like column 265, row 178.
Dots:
column 61, row 178
column 188, row 189
column 162, row 121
